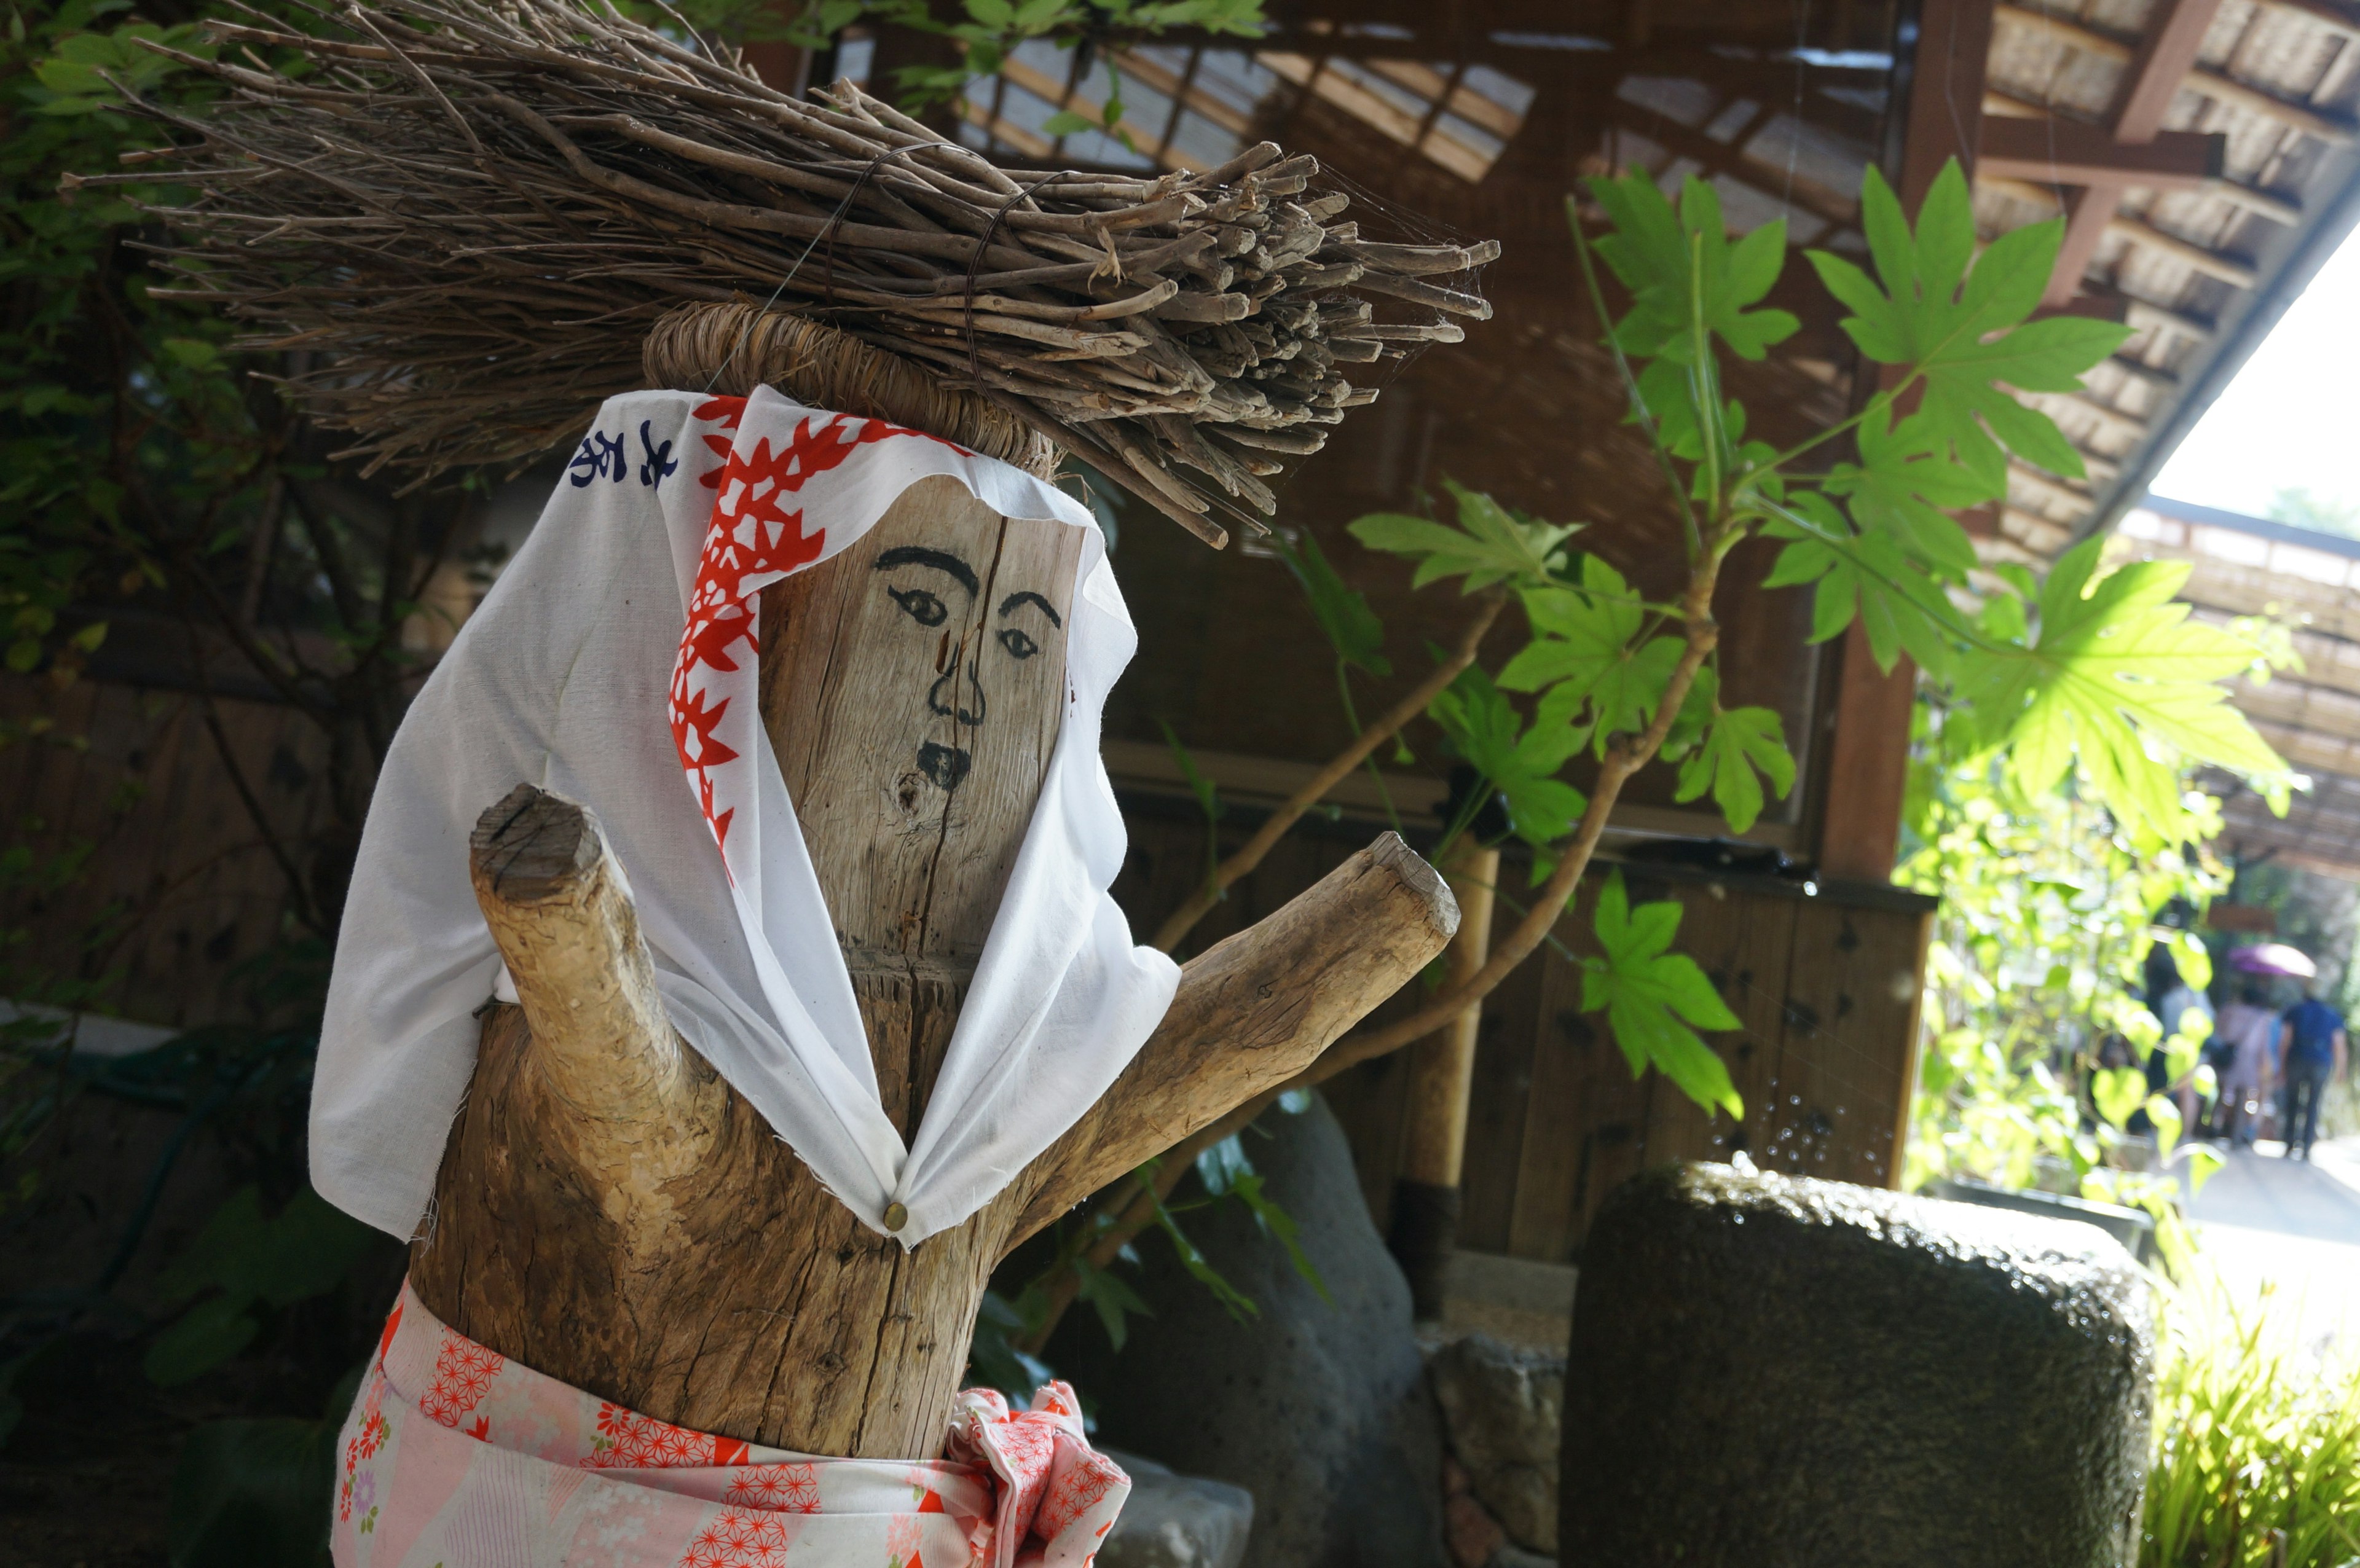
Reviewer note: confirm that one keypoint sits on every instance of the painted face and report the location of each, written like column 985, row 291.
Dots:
column 937, row 590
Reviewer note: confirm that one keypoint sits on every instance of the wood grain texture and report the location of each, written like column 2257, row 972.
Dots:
column 1253, row 1011
column 612, row 1213
column 885, row 672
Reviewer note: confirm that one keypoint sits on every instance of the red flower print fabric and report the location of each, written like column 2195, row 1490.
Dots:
column 455, row 1454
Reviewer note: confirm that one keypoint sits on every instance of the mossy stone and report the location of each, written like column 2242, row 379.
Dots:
column 1769, row 1372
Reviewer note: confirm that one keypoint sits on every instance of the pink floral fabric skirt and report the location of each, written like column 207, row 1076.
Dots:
column 455, row 1457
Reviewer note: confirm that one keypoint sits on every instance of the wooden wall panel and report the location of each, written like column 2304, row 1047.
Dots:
column 177, row 894
column 1838, row 1105
column 1824, row 986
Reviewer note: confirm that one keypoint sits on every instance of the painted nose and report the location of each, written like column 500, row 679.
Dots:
column 957, row 694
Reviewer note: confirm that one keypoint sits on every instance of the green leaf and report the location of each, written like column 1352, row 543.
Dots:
column 1965, row 338
column 1112, row 1296
column 1520, row 763
column 1238, row 1305
column 194, row 353
column 252, row 1493
column 1280, row 1227
column 1656, row 252
column 1066, row 123
column 992, row 1352
column 1586, row 654
column 311, row 1246
column 2119, row 1093
column 225, row 1253
column 1208, row 795
column 1902, row 485
column 1220, row 1165
column 1489, row 545
column 2119, row 685
column 1695, row 717
column 1740, row 742
column 1900, row 608
column 203, row 1337
column 1343, row 613
column 306, row 1251
column 1651, row 996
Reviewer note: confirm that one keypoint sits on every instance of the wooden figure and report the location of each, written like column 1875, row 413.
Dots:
column 610, row 1212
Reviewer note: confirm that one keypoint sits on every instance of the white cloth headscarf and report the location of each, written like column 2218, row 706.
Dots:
column 614, row 664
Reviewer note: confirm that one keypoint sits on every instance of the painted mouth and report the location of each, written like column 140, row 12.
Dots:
column 945, row 765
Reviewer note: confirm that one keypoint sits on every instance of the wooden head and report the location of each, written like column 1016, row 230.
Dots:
column 913, row 687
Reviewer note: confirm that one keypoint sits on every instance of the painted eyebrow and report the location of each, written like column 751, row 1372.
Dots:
column 941, row 561
column 1029, row 597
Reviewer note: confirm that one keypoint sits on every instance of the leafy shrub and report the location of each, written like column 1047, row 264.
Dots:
column 2257, row 1450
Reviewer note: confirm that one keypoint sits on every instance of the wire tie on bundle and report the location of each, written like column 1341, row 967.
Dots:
column 974, row 363
column 827, row 233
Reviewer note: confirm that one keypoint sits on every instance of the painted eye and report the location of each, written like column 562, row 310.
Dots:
column 1018, row 644
column 922, row 606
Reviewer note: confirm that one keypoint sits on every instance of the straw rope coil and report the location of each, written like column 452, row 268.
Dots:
column 466, row 216
column 732, row 349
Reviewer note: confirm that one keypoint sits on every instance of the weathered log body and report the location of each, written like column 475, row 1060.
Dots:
column 610, row 1212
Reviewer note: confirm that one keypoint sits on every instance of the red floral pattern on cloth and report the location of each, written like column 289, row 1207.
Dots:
column 633, row 1442
column 740, row 1538
column 755, row 538
column 464, row 1371
column 454, row 1455
column 781, row 1488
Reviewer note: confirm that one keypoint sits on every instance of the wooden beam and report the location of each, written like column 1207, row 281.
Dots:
column 2175, row 32
column 2000, row 105
column 2334, row 130
column 2137, row 231
column 2055, row 491
column 1425, row 1230
column 1867, row 766
column 2330, row 16
column 1947, row 66
column 2198, row 259
column 2071, row 152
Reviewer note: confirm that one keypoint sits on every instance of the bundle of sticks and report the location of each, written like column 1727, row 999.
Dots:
column 465, row 213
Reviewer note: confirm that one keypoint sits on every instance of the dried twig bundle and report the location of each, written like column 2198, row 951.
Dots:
column 475, row 210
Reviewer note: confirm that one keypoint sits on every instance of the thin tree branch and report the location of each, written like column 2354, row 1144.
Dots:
column 1630, row 380
column 296, row 888
column 1139, row 1201
column 1624, row 757
column 1387, row 724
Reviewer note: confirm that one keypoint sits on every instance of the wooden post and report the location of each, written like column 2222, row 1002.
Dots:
column 1867, row 769
column 611, row 1213
column 1425, row 1229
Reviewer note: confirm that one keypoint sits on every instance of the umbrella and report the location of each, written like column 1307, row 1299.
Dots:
column 2272, row 958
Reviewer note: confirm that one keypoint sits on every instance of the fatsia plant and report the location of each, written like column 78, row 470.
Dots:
column 2097, row 671
column 2094, row 668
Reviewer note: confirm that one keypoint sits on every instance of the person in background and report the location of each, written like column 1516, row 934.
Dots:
column 2177, row 1006
column 2250, row 1029
column 2316, row 1052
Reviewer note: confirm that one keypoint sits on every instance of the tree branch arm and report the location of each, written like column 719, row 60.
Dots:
column 602, row 1043
column 1253, row 1011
